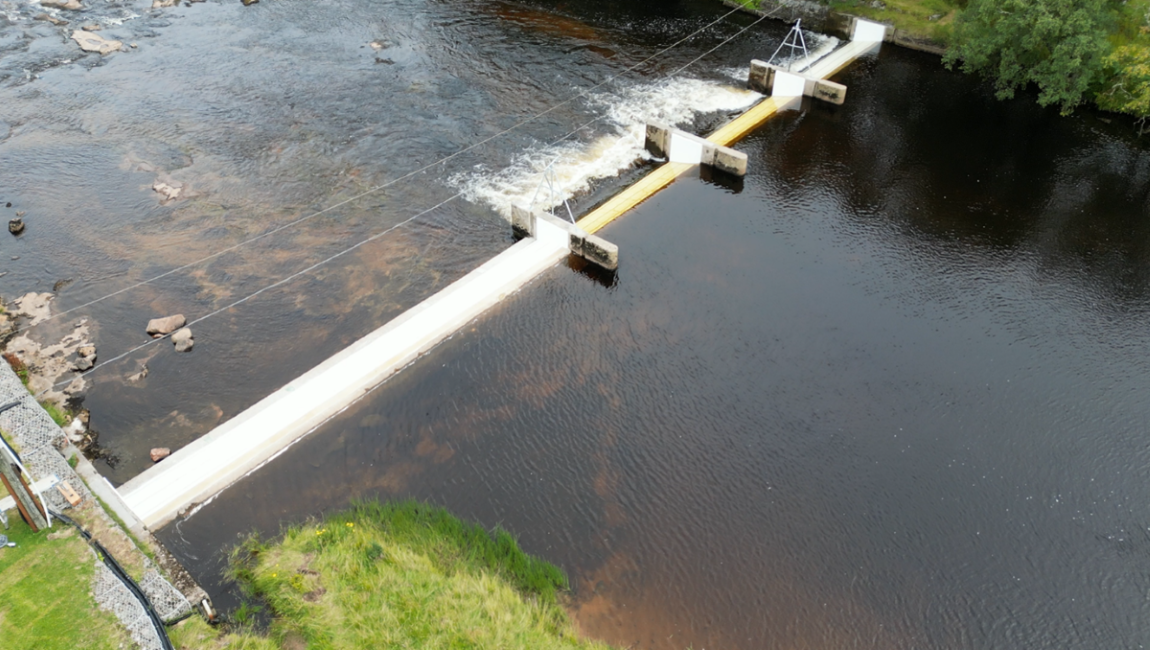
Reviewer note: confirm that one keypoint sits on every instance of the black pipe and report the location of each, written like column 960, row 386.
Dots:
column 119, row 572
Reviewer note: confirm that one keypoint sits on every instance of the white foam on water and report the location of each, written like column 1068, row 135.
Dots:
column 545, row 177
column 738, row 74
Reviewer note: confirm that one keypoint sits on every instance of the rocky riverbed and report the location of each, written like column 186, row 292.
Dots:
column 50, row 355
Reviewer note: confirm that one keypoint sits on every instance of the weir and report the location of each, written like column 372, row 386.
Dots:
column 865, row 36
column 196, row 473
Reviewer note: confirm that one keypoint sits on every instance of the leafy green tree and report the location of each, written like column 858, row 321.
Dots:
column 1127, row 89
column 1058, row 45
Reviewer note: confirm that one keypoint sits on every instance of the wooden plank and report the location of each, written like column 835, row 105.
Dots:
column 738, row 128
column 632, row 196
column 68, row 493
column 25, row 500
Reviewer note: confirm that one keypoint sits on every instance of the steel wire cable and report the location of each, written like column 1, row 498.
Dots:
column 285, row 279
column 376, row 236
column 385, row 185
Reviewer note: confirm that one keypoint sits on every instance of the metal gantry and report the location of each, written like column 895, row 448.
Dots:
column 795, row 42
column 552, row 191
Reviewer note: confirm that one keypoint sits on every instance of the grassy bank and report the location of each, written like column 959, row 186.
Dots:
column 45, row 594
column 402, row 575
column 929, row 19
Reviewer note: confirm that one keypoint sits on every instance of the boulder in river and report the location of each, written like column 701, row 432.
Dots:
column 73, row 5
column 160, row 453
column 250, row 2
column 169, row 189
column 75, row 430
column 90, row 42
column 183, row 340
column 158, row 327
column 160, row 4
column 16, row 226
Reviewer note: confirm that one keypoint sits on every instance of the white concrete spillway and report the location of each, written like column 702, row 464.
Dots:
column 202, row 469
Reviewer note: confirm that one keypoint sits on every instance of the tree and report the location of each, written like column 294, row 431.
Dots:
column 1127, row 89
column 1059, row 45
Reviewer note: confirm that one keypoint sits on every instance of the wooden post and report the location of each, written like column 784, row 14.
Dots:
column 30, row 507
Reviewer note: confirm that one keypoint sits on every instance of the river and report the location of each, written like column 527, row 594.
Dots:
column 889, row 391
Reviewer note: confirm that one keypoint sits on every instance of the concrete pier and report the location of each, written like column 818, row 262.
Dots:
column 680, row 147
column 596, row 250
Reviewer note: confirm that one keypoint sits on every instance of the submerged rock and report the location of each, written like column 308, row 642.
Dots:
column 90, row 42
column 250, row 2
column 73, row 5
column 183, row 340
column 158, row 327
column 160, row 453
column 139, row 376
column 169, row 189
column 33, row 306
column 50, row 19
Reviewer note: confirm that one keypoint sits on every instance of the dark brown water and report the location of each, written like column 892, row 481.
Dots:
column 890, row 391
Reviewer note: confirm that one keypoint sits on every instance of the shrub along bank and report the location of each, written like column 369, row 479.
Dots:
column 1071, row 51
column 395, row 575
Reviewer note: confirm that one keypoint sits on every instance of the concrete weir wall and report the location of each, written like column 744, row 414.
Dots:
column 197, row 472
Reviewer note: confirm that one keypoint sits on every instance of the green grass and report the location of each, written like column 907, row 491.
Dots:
column 912, row 16
column 398, row 575
column 195, row 634
column 59, row 415
column 45, row 600
column 18, row 367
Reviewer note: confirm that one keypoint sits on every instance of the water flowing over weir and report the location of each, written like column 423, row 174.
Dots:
column 577, row 164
